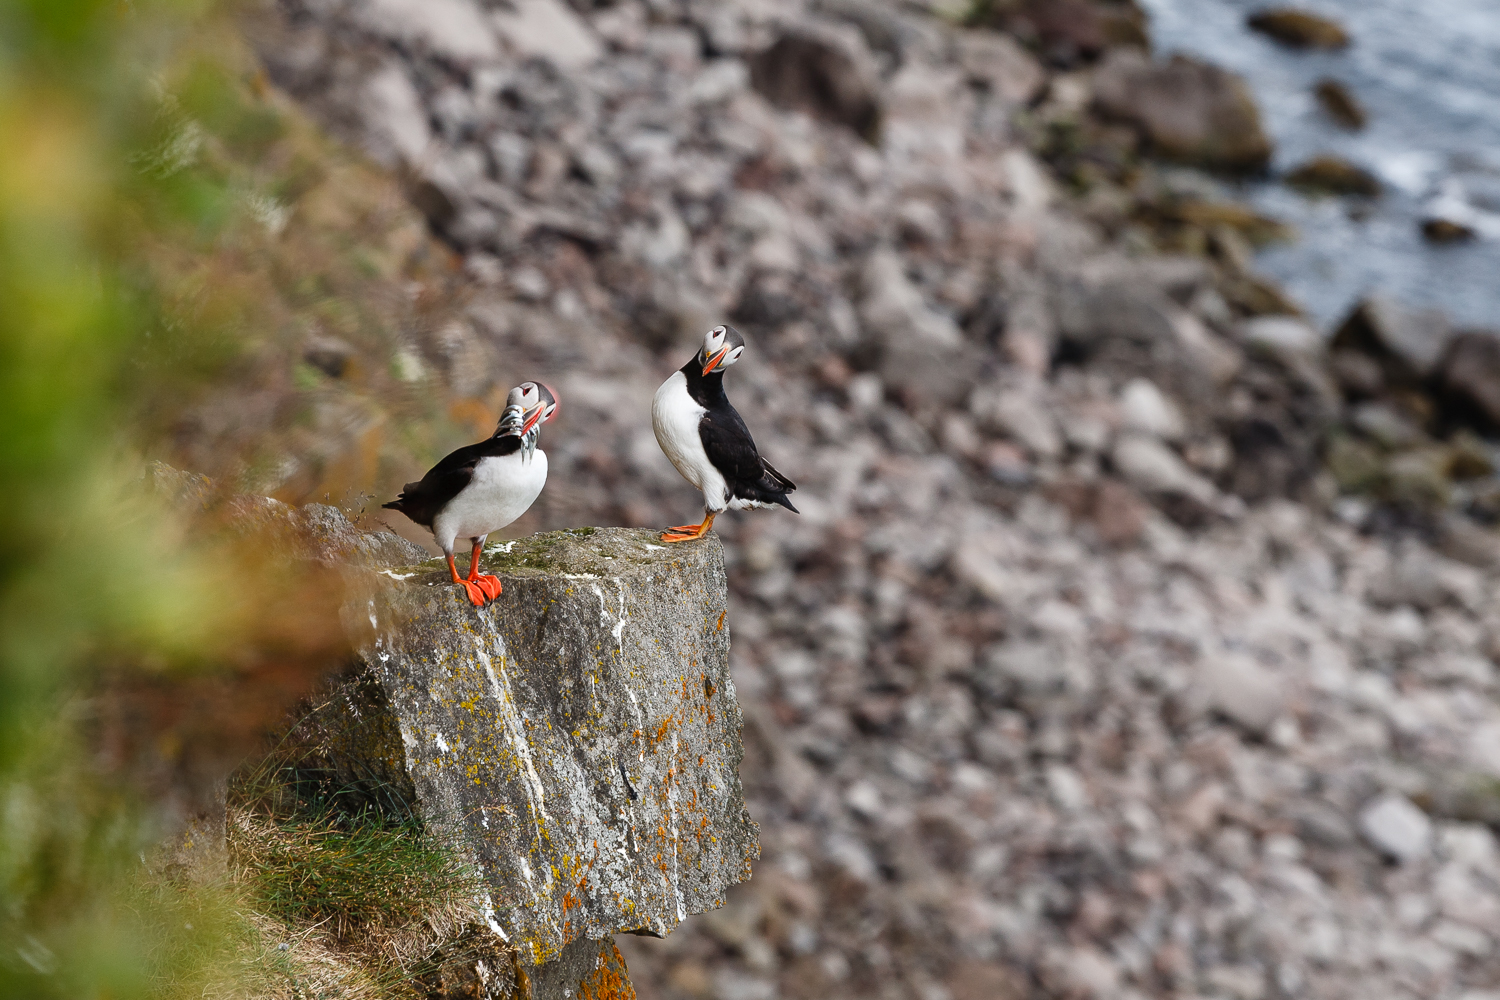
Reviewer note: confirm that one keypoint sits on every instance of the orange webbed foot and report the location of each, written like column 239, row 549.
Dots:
column 688, row 532
column 490, row 585
column 477, row 595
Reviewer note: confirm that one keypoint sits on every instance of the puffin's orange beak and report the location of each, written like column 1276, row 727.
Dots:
column 541, row 412
column 713, row 362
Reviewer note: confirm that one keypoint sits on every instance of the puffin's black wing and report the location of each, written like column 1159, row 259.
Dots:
column 732, row 450
column 729, row 445
column 422, row 501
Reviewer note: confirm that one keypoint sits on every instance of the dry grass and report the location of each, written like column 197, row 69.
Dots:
column 359, row 908
column 348, row 894
column 353, row 874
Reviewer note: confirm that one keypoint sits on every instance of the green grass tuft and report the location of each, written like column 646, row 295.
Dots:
column 358, row 873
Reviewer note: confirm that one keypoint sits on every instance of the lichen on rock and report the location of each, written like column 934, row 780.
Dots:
column 577, row 739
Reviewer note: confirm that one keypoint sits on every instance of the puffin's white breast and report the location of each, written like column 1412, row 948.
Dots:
column 503, row 488
column 675, row 416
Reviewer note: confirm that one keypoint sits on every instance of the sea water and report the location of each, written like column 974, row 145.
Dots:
column 1428, row 74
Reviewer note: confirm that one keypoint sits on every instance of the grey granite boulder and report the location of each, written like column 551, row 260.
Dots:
column 578, row 739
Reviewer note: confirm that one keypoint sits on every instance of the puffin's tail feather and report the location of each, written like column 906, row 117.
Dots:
column 781, row 482
column 773, row 487
column 407, row 492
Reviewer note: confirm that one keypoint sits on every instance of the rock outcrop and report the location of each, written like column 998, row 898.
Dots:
column 1185, row 109
column 577, row 740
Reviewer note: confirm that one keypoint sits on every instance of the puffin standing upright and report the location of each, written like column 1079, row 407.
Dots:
column 483, row 487
column 706, row 440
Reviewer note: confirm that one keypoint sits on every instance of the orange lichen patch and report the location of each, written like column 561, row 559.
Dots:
column 610, row 980
column 720, row 627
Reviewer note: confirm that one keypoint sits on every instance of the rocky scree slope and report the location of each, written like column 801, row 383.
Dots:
column 1068, row 681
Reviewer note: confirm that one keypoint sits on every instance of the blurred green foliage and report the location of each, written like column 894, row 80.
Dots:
column 101, row 127
column 172, row 235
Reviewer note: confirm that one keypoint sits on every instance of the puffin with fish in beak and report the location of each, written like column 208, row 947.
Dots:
column 706, row 440
column 483, row 487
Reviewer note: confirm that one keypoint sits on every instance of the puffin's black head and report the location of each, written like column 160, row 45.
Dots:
column 529, row 405
column 722, row 347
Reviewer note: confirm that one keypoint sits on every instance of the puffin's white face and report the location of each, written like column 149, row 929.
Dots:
column 538, row 403
column 722, row 347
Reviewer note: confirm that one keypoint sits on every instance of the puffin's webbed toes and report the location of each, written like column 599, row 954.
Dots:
column 477, row 595
column 490, row 585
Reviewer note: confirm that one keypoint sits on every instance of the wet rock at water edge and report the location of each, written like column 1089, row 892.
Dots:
column 1340, row 103
column 1405, row 344
column 1440, row 230
column 1334, row 175
column 1299, row 29
column 1470, row 380
column 1185, row 109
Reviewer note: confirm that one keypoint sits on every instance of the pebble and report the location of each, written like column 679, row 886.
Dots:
column 1396, row 828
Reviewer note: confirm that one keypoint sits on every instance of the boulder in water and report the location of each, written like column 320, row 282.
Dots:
column 1340, row 103
column 1334, row 175
column 1298, row 29
column 1440, row 230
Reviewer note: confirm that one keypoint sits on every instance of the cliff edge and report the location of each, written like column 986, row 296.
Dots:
column 577, row 740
